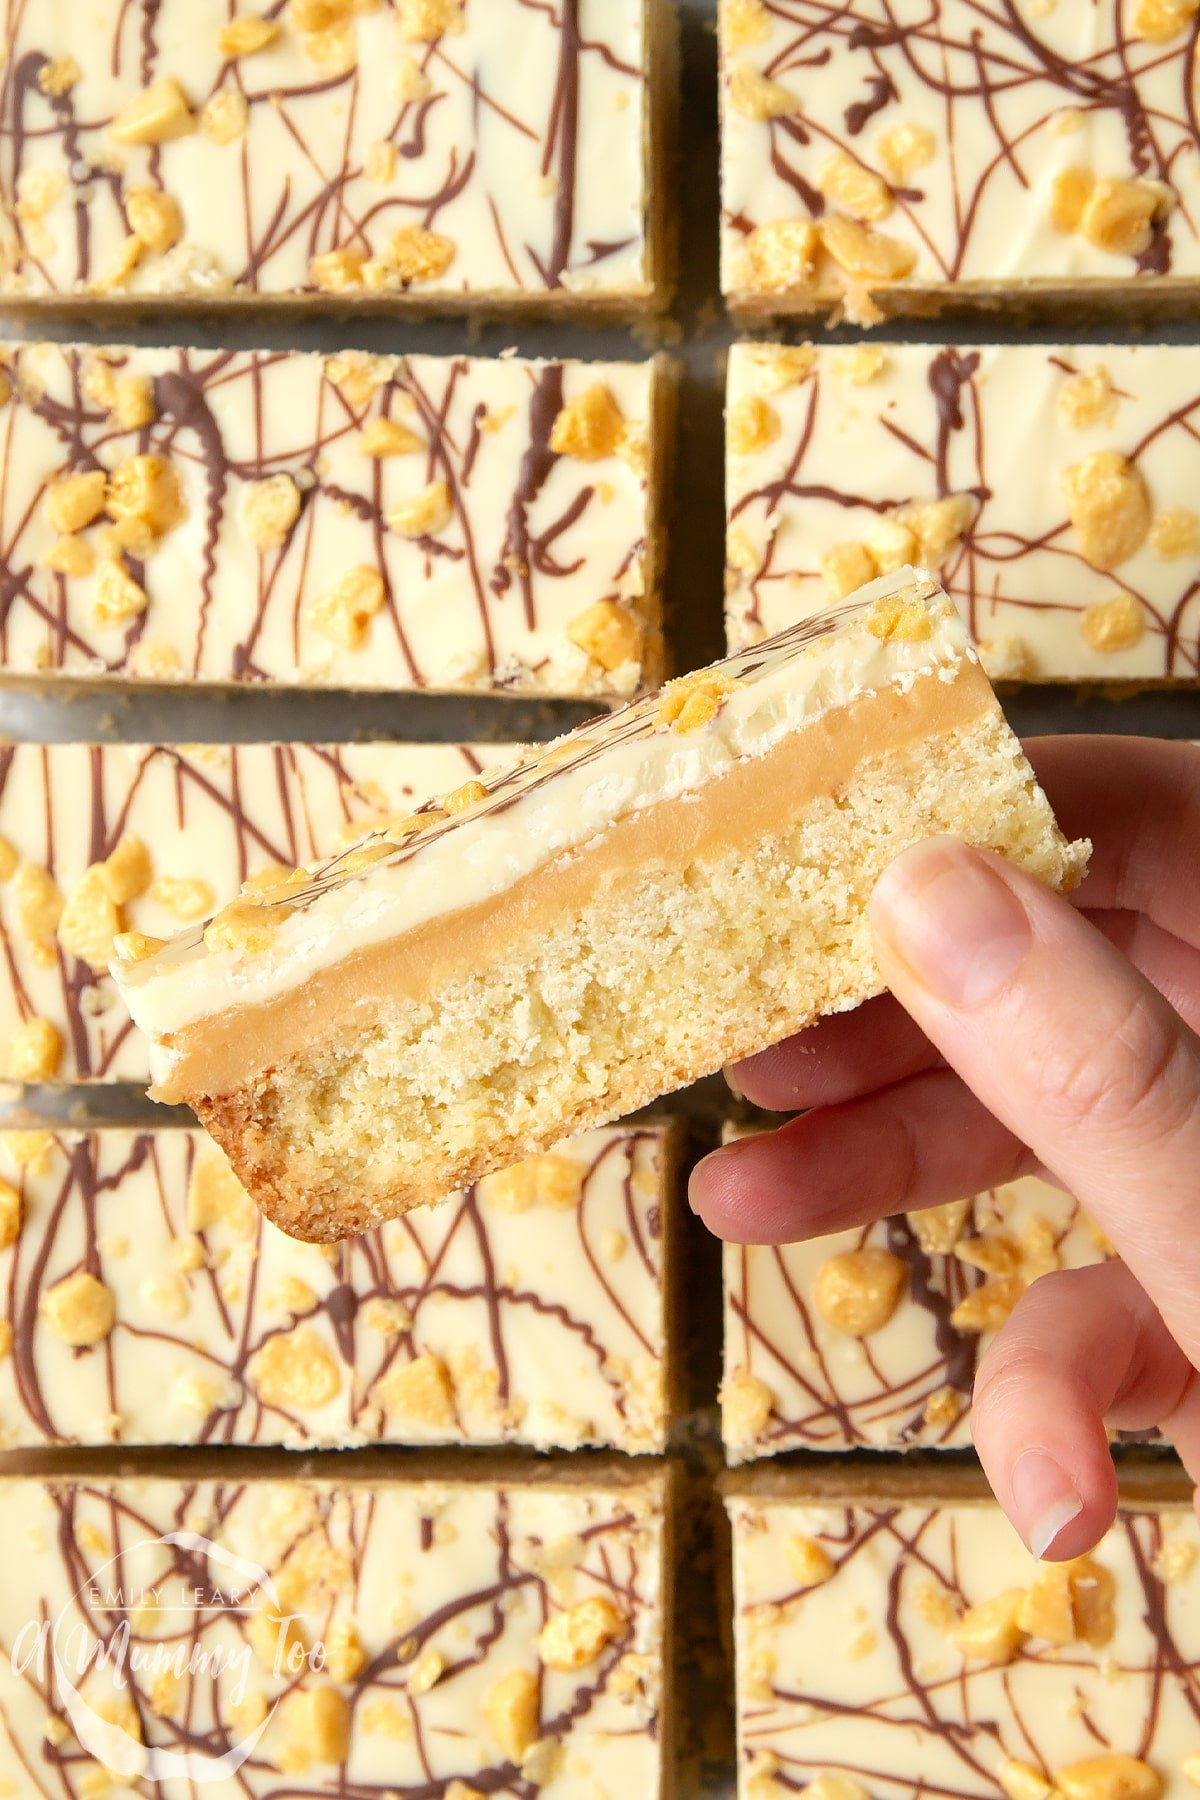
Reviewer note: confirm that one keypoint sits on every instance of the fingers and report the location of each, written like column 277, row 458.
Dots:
column 1172, row 966
column 1081, row 1348
column 850, row 1053
column 1139, row 800
column 920, row 1143
column 1069, row 1047
column 878, row 1044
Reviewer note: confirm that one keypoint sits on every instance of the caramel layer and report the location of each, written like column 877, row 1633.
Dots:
column 757, row 798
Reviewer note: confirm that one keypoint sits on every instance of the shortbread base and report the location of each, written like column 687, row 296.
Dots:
column 667, row 974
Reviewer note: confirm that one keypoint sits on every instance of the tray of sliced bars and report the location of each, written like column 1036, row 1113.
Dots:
column 513, row 514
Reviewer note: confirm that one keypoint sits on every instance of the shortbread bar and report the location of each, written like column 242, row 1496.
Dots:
column 342, row 521
column 1079, row 563
column 894, row 1636
column 149, row 1302
column 870, row 1339
column 673, row 885
column 879, row 161
column 230, row 1633
column 100, row 839
column 431, row 154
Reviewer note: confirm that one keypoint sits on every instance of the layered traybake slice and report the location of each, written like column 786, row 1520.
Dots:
column 1079, row 564
column 449, row 1632
column 672, row 886
column 145, row 1300
column 335, row 153
column 883, row 159
column 345, row 521
column 99, row 839
column 870, row 1338
column 895, row 1637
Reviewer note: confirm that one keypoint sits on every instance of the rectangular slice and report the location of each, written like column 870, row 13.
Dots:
column 402, row 1635
column 345, row 521
column 421, row 153
column 894, row 1636
column 966, row 154
column 149, row 1302
column 673, row 885
column 807, row 1369
column 1078, row 563
column 99, row 839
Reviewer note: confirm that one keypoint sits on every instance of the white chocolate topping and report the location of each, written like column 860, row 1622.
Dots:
column 348, row 521
column 1075, row 563
column 528, row 1310
column 557, row 800
column 962, row 145
column 192, row 823
column 387, row 1638
column 860, row 1657
column 423, row 147
column 802, row 1373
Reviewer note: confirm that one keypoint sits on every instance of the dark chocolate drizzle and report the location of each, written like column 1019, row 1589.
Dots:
column 967, row 60
column 321, row 204
column 347, row 1535
column 442, row 1266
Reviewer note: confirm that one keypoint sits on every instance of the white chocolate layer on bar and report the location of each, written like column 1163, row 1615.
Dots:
column 343, row 521
column 668, row 889
column 403, row 1637
column 529, row 1310
column 801, row 1372
column 550, row 805
column 433, row 150
column 1078, row 563
column 967, row 149
column 861, row 1655
column 184, row 827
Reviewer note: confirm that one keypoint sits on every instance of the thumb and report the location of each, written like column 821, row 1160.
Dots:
column 1064, row 1042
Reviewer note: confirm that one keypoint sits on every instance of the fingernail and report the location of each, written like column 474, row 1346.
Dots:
column 951, row 918
column 1045, row 1500
column 731, row 1082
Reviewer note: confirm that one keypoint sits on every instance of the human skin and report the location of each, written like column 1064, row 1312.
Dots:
column 1024, row 1034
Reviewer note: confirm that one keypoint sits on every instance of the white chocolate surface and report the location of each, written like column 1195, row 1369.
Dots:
column 1004, row 101
column 517, row 139
column 859, row 1676
column 863, row 433
column 436, row 1591
column 505, row 1316
column 906, row 1385
column 478, row 544
column 209, row 817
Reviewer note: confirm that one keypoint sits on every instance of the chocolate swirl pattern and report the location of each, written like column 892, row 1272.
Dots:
column 148, row 1302
column 1079, row 563
column 203, row 819
column 349, row 521
column 859, row 1656
column 954, row 146
column 429, row 1600
column 797, row 1378
column 425, row 149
